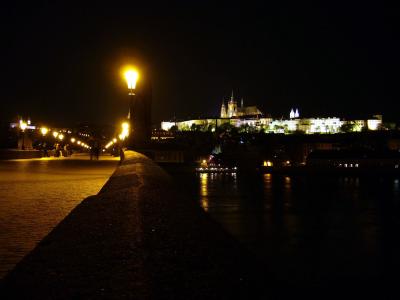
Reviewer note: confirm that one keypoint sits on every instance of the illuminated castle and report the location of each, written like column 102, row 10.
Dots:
column 251, row 116
column 233, row 111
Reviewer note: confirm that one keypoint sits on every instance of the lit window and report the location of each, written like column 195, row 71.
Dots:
column 356, row 165
column 345, row 165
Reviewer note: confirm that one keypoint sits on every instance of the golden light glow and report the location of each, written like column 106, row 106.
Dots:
column 55, row 134
column 125, row 126
column 125, row 130
column 114, row 140
column 72, row 140
column 22, row 125
column 60, row 137
column 267, row 163
column 131, row 77
column 79, row 142
column 44, row 130
column 204, row 190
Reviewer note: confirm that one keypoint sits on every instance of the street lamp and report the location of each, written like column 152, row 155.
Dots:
column 44, row 131
column 131, row 77
column 22, row 126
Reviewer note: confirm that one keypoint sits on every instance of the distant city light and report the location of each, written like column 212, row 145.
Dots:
column 55, row 134
column 373, row 124
column 44, row 130
column 267, row 163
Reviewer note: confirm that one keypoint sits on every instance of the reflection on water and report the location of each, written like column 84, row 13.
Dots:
column 204, row 190
column 310, row 229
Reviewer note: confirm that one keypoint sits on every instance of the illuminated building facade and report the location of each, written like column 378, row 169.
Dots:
column 251, row 117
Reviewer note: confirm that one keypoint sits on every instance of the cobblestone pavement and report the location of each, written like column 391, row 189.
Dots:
column 36, row 194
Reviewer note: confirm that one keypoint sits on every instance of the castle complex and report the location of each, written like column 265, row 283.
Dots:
column 251, row 117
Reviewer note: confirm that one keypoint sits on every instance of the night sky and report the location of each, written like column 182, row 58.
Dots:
column 61, row 62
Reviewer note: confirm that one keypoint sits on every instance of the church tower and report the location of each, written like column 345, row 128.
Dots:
column 232, row 107
column 291, row 115
column 223, row 110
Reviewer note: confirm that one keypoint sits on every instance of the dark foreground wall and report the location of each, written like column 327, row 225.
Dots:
column 137, row 239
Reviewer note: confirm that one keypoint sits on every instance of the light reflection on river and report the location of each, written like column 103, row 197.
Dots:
column 310, row 229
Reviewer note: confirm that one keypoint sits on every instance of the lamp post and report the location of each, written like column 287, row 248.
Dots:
column 44, row 131
column 139, row 109
column 22, row 126
column 131, row 77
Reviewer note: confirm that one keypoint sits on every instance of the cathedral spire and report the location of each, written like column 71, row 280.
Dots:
column 232, row 96
column 223, row 109
column 241, row 103
column 292, row 114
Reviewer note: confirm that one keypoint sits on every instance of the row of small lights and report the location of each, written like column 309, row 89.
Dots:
column 122, row 136
column 60, row 136
column 131, row 77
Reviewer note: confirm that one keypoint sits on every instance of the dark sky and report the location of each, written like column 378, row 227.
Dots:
column 60, row 62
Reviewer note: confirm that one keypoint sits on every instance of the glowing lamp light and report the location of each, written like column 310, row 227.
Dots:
column 44, row 130
column 131, row 77
column 125, row 130
column 125, row 126
column 22, row 125
column 114, row 140
column 55, row 134
column 79, row 142
column 60, row 137
column 72, row 140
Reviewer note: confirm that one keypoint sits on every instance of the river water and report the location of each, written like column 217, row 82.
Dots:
column 309, row 230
